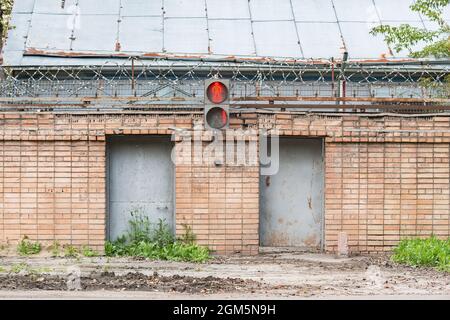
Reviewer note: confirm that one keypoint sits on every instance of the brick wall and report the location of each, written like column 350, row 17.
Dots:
column 380, row 192
column 387, row 177
column 52, row 190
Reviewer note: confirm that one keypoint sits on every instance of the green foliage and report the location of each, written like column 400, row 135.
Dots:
column 5, row 12
column 188, row 236
column 139, row 227
column 438, row 89
column 405, row 36
column 432, row 9
column 23, row 267
column 19, row 267
column 70, row 252
column 27, row 247
column 55, row 249
column 175, row 251
column 162, row 235
column 430, row 252
column 88, row 252
column 149, row 241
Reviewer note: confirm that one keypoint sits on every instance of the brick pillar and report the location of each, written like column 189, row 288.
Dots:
column 219, row 201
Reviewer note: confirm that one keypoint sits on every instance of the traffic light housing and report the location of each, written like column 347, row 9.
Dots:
column 217, row 104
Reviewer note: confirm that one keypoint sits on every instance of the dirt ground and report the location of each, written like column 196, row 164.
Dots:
column 274, row 276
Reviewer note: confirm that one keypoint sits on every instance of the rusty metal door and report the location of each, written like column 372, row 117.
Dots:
column 140, row 178
column 291, row 201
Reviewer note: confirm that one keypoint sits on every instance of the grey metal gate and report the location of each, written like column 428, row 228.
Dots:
column 140, row 177
column 291, row 202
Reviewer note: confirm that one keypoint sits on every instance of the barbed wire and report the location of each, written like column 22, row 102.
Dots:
column 156, row 81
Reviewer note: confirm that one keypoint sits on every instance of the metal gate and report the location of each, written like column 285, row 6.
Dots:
column 291, row 201
column 140, row 178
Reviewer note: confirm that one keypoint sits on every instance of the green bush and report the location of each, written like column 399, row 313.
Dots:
column 27, row 247
column 430, row 252
column 145, row 240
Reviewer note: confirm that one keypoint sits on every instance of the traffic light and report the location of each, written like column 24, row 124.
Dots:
column 217, row 102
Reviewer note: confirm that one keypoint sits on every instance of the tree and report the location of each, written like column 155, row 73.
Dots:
column 437, row 42
column 405, row 36
column 5, row 11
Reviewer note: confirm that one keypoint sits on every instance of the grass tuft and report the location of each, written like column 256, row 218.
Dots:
column 70, row 251
column 430, row 252
column 27, row 247
column 89, row 252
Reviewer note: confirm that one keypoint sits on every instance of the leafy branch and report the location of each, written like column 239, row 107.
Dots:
column 5, row 12
column 405, row 36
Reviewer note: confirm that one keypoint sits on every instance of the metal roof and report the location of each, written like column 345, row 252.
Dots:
column 58, row 32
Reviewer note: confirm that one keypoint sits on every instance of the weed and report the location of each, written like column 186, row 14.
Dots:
column 139, row 227
column 2, row 269
column 70, row 252
column 188, row 236
column 27, row 247
column 55, row 249
column 88, row 252
column 19, row 267
column 156, row 242
column 430, row 252
column 162, row 235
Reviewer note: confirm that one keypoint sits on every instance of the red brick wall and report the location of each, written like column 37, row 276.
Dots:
column 53, row 190
column 387, row 177
column 380, row 192
column 221, row 204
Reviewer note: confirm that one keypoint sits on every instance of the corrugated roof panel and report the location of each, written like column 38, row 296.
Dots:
column 23, row 6
column 114, row 26
column 184, row 8
column 361, row 44
column 313, row 10
column 356, row 11
column 231, row 37
column 96, row 32
column 17, row 37
column 99, row 7
column 276, row 39
column 53, row 6
column 141, row 34
column 397, row 10
column 186, row 35
column 15, row 58
column 320, row 40
column 50, row 34
column 141, row 8
column 230, row 9
column 265, row 10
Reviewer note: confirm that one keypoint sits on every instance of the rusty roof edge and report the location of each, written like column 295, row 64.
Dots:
column 226, row 59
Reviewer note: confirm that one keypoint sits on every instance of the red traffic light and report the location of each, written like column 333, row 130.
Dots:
column 217, row 118
column 217, row 92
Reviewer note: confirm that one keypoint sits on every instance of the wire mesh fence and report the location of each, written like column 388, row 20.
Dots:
column 151, row 82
